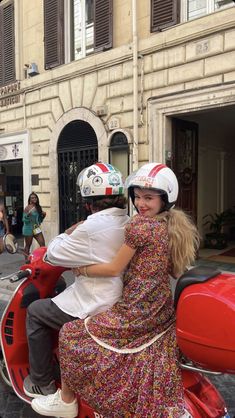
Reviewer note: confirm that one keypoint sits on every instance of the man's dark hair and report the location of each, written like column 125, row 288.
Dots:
column 105, row 202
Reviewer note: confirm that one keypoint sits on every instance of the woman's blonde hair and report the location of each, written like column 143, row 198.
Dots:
column 184, row 240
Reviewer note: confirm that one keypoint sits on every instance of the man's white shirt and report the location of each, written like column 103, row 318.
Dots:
column 95, row 241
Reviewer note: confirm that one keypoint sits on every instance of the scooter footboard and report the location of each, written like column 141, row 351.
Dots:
column 13, row 337
column 13, row 330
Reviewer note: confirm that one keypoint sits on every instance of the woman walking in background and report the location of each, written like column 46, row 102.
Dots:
column 33, row 216
column 4, row 226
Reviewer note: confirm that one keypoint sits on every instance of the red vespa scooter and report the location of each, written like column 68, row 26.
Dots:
column 198, row 305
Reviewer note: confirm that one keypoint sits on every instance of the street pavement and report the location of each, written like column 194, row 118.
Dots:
column 12, row 407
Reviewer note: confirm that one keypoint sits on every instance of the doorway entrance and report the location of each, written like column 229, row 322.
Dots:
column 184, row 163
column 212, row 109
column 11, row 192
column 213, row 161
column 77, row 148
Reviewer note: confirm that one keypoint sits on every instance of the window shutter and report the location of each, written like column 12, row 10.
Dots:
column 7, row 44
column 164, row 13
column 103, row 25
column 53, row 33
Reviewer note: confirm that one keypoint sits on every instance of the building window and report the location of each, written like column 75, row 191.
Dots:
column 83, row 28
column 7, row 43
column 75, row 28
column 198, row 8
column 53, row 33
column 119, row 152
column 90, row 22
column 165, row 13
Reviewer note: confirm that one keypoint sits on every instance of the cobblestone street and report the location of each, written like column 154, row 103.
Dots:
column 226, row 386
column 13, row 407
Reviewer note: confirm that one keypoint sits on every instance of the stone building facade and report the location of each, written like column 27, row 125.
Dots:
column 163, row 91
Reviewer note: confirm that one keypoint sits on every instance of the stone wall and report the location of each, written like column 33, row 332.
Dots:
column 187, row 57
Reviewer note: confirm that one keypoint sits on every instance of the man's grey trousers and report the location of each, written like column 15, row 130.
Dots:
column 43, row 318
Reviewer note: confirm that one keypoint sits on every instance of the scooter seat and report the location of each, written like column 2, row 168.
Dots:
column 193, row 276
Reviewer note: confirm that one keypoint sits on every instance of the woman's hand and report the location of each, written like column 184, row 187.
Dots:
column 72, row 228
column 76, row 271
column 28, row 209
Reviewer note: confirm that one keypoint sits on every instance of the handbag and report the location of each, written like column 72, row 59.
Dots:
column 36, row 229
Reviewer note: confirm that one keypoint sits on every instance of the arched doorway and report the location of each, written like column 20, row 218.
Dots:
column 77, row 148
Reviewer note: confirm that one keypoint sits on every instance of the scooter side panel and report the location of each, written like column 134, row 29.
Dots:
column 206, row 322
column 40, row 284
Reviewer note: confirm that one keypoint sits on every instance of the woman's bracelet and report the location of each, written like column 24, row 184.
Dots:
column 85, row 271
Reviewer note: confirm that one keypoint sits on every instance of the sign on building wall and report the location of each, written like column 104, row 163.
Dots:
column 11, row 151
column 9, row 94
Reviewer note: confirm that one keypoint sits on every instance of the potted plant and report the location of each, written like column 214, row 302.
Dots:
column 216, row 238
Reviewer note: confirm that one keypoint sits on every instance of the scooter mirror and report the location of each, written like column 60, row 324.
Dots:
column 10, row 243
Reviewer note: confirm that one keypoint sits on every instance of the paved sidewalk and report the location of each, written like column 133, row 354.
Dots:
column 226, row 386
column 11, row 406
column 9, row 262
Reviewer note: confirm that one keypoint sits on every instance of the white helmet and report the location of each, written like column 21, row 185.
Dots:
column 158, row 177
column 100, row 179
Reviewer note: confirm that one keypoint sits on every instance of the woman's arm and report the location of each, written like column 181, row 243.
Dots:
column 27, row 209
column 69, row 230
column 114, row 268
column 41, row 217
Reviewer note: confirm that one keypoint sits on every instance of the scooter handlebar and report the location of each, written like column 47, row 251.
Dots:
column 20, row 275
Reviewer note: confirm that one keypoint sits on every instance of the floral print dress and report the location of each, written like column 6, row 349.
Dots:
column 123, row 362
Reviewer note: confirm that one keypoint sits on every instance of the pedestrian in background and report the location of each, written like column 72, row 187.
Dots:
column 33, row 216
column 4, row 225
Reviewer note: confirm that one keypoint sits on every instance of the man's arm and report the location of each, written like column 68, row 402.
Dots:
column 70, row 250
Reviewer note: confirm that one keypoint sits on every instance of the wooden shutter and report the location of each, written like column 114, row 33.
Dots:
column 7, row 44
column 53, row 33
column 103, row 24
column 164, row 13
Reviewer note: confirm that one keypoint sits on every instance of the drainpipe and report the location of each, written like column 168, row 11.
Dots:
column 135, row 157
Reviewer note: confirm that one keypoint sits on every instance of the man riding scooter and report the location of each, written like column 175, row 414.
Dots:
column 102, row 189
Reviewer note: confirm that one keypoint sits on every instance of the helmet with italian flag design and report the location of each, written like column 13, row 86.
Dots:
column 155, row 176
column 100, row 179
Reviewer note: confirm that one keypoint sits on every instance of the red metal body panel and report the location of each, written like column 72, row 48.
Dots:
column 201, row 397
column 206, row 323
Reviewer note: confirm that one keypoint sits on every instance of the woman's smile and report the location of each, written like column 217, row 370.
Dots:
column 142, row 211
